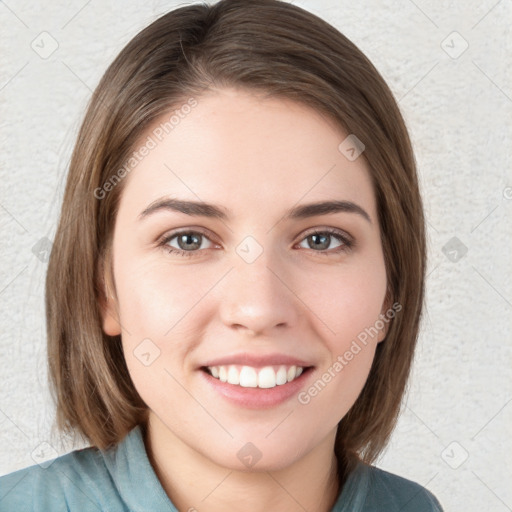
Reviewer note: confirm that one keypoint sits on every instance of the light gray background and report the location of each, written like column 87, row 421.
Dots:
column 454, row 435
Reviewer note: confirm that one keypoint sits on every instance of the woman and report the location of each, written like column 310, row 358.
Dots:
column 262, row 367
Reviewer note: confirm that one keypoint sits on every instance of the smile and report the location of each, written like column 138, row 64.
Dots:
column 250, row 377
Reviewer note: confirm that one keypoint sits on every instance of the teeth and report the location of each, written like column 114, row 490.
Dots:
column 233, row 375
column 267, row 377
column 248, row 377
column 281, row 376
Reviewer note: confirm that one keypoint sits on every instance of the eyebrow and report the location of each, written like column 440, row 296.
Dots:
column 201, row 209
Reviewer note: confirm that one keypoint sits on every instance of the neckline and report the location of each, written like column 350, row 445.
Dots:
column 350, row 499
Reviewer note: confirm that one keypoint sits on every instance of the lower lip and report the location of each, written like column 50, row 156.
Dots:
column 257, row 398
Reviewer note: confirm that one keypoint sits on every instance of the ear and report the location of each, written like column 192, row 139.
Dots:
column 384, row 318
column 108, row 302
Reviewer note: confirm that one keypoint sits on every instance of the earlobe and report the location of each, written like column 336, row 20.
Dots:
column 382, row 333
column 108, row 305
column 384, row 319
column 111, row 325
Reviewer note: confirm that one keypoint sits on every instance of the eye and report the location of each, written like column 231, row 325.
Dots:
column 322, row 239
column 188, row 242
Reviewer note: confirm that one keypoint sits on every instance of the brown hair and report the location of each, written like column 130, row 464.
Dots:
column 264, row 45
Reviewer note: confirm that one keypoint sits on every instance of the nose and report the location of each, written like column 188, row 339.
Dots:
column 258, row 297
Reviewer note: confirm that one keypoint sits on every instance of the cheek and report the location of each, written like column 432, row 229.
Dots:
column 348, row 310
column 156, row 299
column 158, row 307
column 165, row 302
column 346, row 301
column 165, row 310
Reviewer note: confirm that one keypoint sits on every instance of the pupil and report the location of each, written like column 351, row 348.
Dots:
column 184, row 239
column 321, row 243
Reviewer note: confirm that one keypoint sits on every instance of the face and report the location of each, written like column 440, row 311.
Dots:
column 251, row 288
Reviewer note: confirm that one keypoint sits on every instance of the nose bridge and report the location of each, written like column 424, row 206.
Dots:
column 256, row 295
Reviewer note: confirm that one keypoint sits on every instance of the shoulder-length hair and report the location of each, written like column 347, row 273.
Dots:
column 268, row 46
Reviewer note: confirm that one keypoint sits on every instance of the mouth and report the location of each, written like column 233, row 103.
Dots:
column 256, row 380
column 265, row 377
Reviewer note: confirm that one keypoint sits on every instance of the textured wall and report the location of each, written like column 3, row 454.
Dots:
column 449, row 65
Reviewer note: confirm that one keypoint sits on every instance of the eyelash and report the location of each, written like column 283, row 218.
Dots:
column 348, row 242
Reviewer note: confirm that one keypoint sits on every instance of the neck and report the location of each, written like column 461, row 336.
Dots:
column 194, row 482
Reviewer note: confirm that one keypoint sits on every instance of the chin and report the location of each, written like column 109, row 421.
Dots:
column 257, row 457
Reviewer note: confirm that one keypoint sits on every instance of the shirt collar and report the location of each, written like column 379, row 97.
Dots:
column 141, row 490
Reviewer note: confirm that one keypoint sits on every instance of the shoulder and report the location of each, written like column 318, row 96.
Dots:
column 371, row 489
column 119, row 479
column 74, row 481
column 390, row 492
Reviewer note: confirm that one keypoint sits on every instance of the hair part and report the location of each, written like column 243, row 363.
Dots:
column 266, row 46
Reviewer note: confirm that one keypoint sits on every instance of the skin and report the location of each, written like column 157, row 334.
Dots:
column 257, row 157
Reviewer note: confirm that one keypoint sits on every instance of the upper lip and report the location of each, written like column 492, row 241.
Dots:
column 257, row 360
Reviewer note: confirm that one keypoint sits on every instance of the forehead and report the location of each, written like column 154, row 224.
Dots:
column 241, row 150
